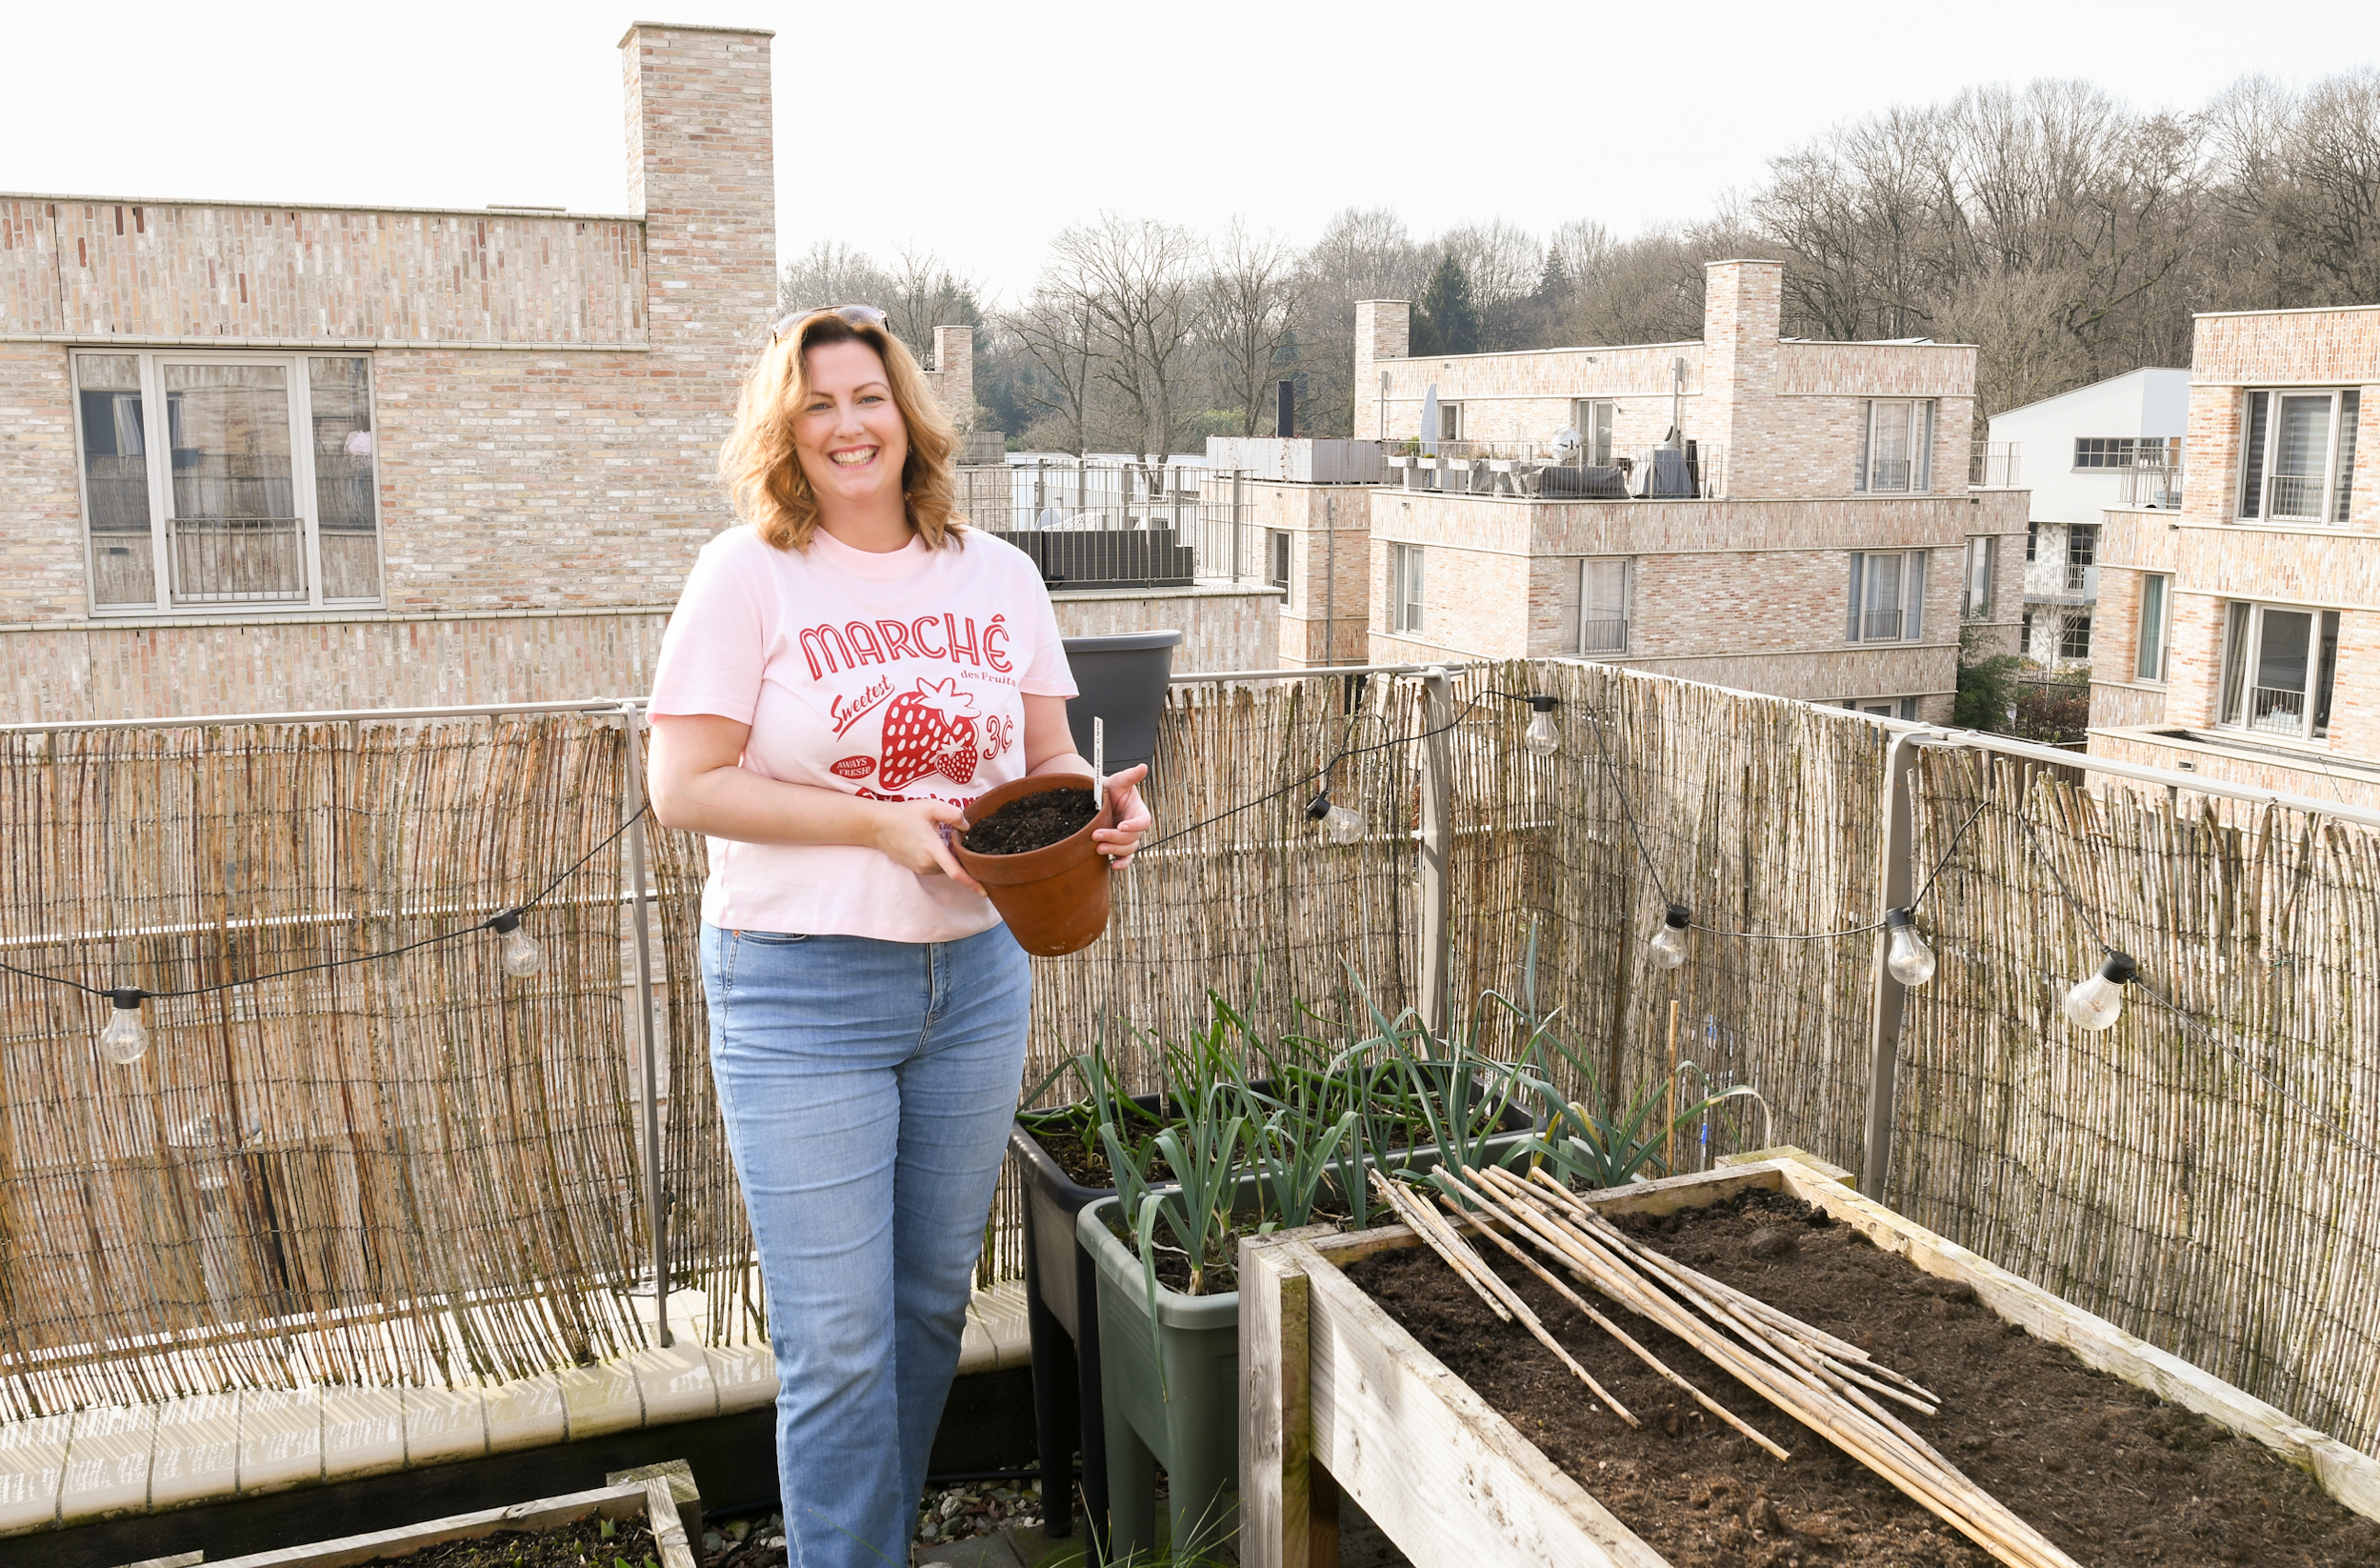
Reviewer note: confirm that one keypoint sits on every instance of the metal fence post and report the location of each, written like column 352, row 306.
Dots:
column 1887, row 993
column 1437, row 839
column 648, row 1088
column 1235, row 525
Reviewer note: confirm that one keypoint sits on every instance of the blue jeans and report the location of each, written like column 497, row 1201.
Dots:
column 867, row 1087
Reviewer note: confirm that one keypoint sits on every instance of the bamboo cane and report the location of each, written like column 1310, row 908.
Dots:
column 1899, row 1456
column 1668, row 1128
column 1541, row 1272
column 1443, row 1239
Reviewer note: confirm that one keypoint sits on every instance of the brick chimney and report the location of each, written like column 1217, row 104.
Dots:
column 1384, row 329
column 1742, row 304
column 701, row 169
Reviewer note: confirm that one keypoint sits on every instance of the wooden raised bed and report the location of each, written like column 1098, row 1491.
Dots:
column 1338, row 1398
column 646, row 1503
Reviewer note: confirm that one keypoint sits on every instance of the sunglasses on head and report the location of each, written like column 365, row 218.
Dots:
column 857, row 315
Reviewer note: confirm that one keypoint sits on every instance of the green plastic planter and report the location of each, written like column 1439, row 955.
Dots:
column 1187, row 1421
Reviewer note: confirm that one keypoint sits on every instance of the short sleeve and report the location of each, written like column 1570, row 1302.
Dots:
column 716, row 645
column 1049, row 674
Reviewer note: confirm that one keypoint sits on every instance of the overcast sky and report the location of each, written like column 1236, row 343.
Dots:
column 979, row 129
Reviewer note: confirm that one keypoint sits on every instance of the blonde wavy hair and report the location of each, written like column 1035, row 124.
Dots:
column 763, row 473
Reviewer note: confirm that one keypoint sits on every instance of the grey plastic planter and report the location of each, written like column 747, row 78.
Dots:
column 1121, row 679
column 1186, row 1420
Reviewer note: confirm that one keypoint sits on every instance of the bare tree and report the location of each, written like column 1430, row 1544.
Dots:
column 921, row 292
column 832, row 272
column 1502, row 263
column 1246, row 317
column 1134, row 280
column 1363, row 254
column 1054, row 332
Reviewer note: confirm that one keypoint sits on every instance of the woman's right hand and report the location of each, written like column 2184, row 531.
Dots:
column 911, row 833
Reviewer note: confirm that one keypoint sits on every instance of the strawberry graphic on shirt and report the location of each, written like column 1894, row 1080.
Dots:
column 929, row 730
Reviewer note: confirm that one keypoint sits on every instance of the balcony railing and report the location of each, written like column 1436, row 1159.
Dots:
column 1598, row 634
column 1995, row 465
column 1880, row 626
column 2151, row 486
column 2276, row 708
column 223, row 560
column 1527, row 469
column 2296, row 496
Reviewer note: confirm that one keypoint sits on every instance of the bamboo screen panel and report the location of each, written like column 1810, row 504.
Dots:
column 2211, row 1197
column 411, row 1170
column 1762, row 816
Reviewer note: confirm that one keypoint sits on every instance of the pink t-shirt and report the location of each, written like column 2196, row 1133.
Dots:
column 894, row 676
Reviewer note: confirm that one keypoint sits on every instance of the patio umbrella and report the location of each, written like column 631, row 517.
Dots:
column 1429, row 421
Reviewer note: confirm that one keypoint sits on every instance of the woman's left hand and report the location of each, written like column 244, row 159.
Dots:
column 1132, row 818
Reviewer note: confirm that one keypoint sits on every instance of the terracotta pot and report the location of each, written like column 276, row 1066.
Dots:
column 1054, row 898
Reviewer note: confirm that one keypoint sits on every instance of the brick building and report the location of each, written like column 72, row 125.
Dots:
column 1830, row 548
column 2240, row 637
column 259, row 458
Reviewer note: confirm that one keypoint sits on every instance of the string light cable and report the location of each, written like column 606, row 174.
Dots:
column 2097, row 1001
column 126, row 1038
column 1914, row 964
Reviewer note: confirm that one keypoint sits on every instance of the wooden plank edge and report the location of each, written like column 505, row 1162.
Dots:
column 1477, row 1505
column 2348, row 1474
column 614, row 1502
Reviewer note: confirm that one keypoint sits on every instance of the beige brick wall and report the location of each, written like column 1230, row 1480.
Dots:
column 1787, row 416
column 552, row 472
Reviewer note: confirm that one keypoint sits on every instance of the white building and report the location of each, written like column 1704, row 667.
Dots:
column 2117, row 442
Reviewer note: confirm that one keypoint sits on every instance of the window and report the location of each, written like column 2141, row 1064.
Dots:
column 2298, row 462
column 1602, row 607
column 231, row 481
column 1449, row 421
column 1896, row 448
column 1405, row 588
column 2156, row 614
column 2074, row 634
column 2082, row 554
column 1278, row 550
column 1983, row 554
column 2125, row 451
column 2278, row 665
column 1888, row 596
column 1591, row 418
column 2033, row 540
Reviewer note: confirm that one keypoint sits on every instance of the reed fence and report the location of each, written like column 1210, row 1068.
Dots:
column 421, row 1171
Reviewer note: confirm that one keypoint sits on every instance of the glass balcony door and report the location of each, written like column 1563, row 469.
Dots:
column 2278, row 668
column 234, row 532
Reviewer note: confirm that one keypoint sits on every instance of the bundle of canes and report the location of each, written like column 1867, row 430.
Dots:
column 1826, row 1383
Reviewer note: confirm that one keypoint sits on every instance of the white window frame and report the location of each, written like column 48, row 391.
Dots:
column 1920, row 476
column 2242, row 631
column 2152, row 634
column 1600, row 645
column 1584, row 412
column 2254, row 496
column 1449, row 422
column 1408, row 586
column 1863, row 625
column 1982, row 564
column 2083, row 539
column 156, row 437
column 1277, row 562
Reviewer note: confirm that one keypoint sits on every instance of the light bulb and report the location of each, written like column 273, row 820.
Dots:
column 1541, row 739
column 1669, row 944
column 1906, row 956
column 126, row 1039
column 2097, row 1001
column 520, row 955
column 1341, row 825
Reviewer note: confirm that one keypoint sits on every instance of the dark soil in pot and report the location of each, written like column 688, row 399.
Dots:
column 2106, row 1469
column 579, row 1545
column 1036, row 821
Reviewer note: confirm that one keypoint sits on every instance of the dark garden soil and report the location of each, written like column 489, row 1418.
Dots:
column 580, row 1545
column 2107, row 1470
column 1032, row 823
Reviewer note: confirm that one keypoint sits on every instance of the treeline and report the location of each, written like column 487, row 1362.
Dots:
column 2067, row 234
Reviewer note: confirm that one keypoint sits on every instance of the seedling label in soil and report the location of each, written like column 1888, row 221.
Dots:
column 2107, row 1470
column 1032, row 822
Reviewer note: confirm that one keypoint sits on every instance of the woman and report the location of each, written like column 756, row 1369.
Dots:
column 842, row 673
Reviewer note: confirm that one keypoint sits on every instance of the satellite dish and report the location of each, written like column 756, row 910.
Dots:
column 1566, row 445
